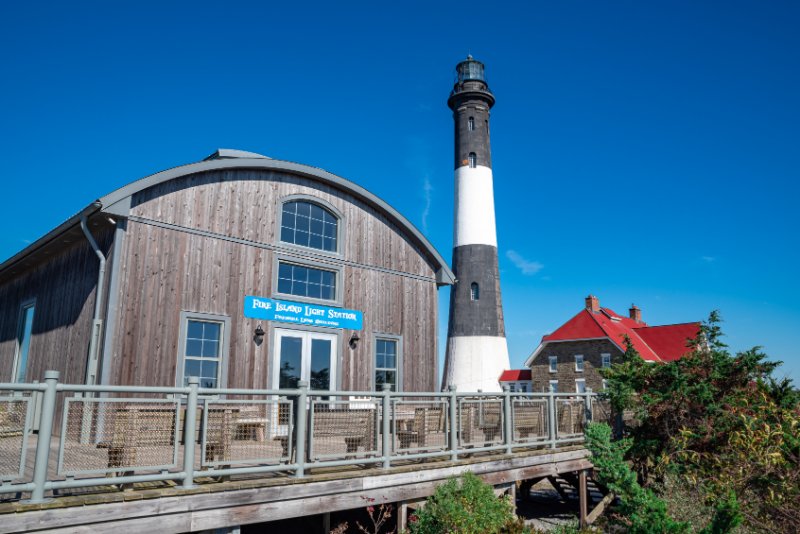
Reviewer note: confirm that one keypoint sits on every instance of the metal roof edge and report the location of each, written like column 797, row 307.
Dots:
column 50, row 236
column 121, row 196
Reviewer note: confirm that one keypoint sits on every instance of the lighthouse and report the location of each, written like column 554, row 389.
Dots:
column 477, row 352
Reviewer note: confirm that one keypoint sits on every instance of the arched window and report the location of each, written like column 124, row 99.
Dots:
column 473, row 160
column 309, row 225
column 474, row 291
column 471, row 124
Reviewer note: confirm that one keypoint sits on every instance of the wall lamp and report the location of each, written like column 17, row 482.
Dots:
column 354, row 339
column 259, row 334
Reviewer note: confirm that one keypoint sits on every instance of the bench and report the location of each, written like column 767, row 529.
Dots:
column 426, row 422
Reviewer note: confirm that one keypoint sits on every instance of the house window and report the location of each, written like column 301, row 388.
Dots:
column 474, row 291
column 309, row 225
column 605, row 360
column 553, row 363
column 386, row 363
column 24, row 333
column 523, row 387
column 512, row 387
column 580, row 385
column 304, row 281
column 471, row 124
column 605, row 384
column 473, row 160
column 203, row 349
column 579, row 362
column 554, row 386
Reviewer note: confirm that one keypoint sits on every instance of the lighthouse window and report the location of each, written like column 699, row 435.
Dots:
column 473, row 160
column 309, row 225
column 474, row 292
column 471, row 124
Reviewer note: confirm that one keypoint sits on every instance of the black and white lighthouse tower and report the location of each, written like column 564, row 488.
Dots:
column 477, row 352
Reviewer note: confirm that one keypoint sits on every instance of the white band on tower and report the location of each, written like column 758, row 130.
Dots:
column 475, row 224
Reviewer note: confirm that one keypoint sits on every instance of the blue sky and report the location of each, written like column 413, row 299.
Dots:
column 645, row 152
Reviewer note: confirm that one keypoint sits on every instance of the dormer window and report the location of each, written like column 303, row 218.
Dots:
column 309, row 225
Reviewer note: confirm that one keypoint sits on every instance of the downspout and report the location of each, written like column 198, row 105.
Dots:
column 97, row 321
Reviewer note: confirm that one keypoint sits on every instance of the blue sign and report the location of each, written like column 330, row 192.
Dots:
column 301, row 313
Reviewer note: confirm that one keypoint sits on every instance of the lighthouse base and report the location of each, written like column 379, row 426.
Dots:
column 475, row 362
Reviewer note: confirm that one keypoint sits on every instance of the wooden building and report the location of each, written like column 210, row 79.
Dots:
column 246, row 271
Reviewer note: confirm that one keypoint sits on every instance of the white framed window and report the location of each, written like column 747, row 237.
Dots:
column 471, row 124
column 473, row 160
column 24, row 334
column 554, row 386
column 309, row 224
column 605, row 384
column 579, row 362
column 523, row 387
column 474, row 291
column 203, row 349
column 605, row 360
column 512, row 387
column 387, row 362
column 553, row 360
column 580, row 385
column 306, row 281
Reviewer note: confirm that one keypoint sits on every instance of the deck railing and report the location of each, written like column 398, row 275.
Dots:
column 123, row 435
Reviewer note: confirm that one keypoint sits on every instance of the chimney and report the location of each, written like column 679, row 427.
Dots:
column 635, row 313
column 592, row 303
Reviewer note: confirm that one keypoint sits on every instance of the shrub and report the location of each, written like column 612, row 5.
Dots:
column 466, row 506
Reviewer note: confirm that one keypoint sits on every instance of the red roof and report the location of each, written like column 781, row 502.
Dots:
column 515, row 375
column 669, row 341
column 654, row 343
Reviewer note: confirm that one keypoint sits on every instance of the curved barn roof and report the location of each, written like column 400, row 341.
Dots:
column 118, row 202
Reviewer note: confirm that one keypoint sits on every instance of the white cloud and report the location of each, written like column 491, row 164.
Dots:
column 427, row 192
column 527, row 267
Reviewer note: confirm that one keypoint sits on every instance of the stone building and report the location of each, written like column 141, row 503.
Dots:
column 568, row 359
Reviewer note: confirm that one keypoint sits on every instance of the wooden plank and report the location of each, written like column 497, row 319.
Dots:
column 598, row 510
column 280, row 501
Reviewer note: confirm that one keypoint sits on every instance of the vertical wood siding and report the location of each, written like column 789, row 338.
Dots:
column 167, row 270
column 64, row 289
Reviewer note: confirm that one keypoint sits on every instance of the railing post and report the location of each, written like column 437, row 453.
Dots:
column 387, row 410
column 587, row 411
column 300, row 429
column 552, row 423
column 45, row 435
column 507, row 422
column 189, row 426
column 453, row 423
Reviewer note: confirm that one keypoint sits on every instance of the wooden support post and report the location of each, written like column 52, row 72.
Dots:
column 326, row 523
column 402, row 516
column 583, row 497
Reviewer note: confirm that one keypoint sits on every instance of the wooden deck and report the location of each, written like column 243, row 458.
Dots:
column 166, row 507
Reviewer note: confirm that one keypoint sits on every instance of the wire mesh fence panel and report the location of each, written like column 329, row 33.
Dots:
column 236, row 432
column 343, row 429
column 118, row 435
column 570, row 415
column 480, row 422
column 601, row 410
column 529, row 419
column 15, row 420
column 420, row 426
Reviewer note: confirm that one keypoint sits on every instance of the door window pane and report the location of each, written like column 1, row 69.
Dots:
column 320, row 364
column 290, row 361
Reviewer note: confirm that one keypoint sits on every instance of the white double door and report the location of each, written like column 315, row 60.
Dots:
column 300, row 355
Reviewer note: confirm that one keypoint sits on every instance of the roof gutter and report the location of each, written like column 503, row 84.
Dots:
column 97, row 321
